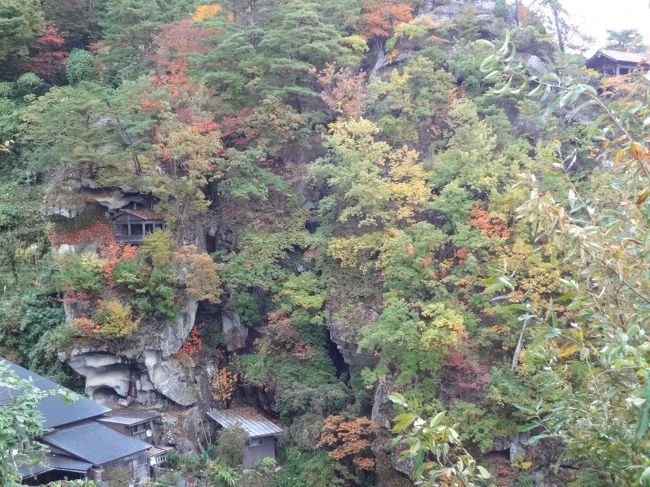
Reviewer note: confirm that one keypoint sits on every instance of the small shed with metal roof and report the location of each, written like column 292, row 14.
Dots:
column 262, row 432
column 138, row 424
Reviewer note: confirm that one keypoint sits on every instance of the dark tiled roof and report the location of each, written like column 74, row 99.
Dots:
column 55, row 462
column 142, row 214
column 56, row 410
column 627, row 57
column 94, row 443
column 67, row 464
column 248, row 419
column 618, row 56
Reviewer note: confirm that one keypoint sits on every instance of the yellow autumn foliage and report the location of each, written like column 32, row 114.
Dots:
column 116, row 319
column 203, row 12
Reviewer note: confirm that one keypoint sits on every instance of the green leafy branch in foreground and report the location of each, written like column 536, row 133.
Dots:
column 602, row 235
column 20, row 420
column 617, row 121
column 435, row 448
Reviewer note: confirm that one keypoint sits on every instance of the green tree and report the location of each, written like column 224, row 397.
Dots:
column 80, row 67
column 90, row 130
column 629, row 40
column 128, row 28
column 412, row 338
column 21, row 21
column 270, row 48
column 231, row 445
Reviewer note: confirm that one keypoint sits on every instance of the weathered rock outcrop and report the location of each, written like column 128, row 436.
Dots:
column 170, row 379
column 451, row 10
column 142, row 371
column 345, row 336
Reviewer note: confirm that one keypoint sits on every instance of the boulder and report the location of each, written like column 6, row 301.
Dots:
column 536, row 66
column 185, row 429
column 170, row 379
column 233, row 332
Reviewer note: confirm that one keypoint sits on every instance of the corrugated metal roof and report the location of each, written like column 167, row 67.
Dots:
column 94, row 442
column 128, row 420
column 627, row 57
column 56, row 410
column 248, row 419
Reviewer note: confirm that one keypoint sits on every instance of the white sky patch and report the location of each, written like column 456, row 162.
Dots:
column 596, row 17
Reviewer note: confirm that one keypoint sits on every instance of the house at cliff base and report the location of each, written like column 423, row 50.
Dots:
column 82, row 439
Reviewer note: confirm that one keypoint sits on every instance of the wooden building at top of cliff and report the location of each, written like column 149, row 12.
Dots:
column 133, row 222
column 617, row 63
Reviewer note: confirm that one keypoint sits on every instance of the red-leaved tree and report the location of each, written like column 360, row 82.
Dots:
column 48, row 57
column 348, row 440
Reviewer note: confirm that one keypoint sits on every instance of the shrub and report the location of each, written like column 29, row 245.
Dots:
column 223, row 385
column 221, row 475
column 9, row 216
column 115, row 319
column 29, row 83
column 305, row 430
column 230, row 446
column 151, row 277
column 315, row 469
column 349, row 439
column 86, row 327
column 81, row 272
column 200, row 273
column 80, row 67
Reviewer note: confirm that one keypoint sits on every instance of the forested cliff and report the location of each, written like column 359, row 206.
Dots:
column 368, row 218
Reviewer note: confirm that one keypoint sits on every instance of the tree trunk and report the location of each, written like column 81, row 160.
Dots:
column 520, row 344
column 558, row 27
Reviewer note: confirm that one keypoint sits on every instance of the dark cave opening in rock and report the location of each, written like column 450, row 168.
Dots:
column 342, row 369
column 105, row 395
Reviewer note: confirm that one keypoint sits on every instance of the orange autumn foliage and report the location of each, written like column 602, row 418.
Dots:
column 484, row 223
column 223, row 385
column 382, row 16
column 112, row 254
column 349, row 440
column 344, row 92
column 99, row 232
column 86, row 327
